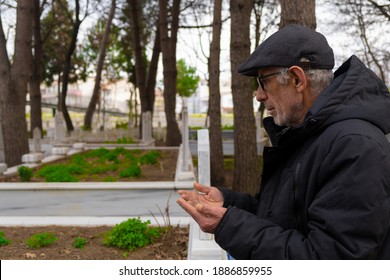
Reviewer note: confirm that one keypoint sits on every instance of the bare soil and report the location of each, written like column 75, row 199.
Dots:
column 172, row 246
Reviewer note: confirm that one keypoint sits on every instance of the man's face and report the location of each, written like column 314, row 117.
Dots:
column 281, row 101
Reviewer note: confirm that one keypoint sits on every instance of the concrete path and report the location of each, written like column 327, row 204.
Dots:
column 89, row 203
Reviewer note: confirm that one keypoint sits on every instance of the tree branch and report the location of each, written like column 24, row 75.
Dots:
column 201, row 26
column 381, row 8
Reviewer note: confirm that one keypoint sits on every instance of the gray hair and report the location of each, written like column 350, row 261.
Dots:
column 319, row 78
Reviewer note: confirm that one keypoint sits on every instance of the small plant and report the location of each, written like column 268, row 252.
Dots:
column 3, row 240
column 39, row 240
column 131, row 234
column 113, row 158
column 150, row 158
column 109, row 179
column 101, row 152
column 100, row 163
column 79, row 160
column 59, row 173
column 132, row 171
column 25, row 173
column 79, row 243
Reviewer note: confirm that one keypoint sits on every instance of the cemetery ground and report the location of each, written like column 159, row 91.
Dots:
column 172, row 245
column 103, row 165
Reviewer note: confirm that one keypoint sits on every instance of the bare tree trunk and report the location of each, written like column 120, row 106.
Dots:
column 216, row 153
column 298, row 12
column 102, row 55
column 168, row 47
column 14, row 79
column 36, row 73
column 67, row 66
column 246, row 171
column 140, row 68
column 258, row 12
column 152, row 72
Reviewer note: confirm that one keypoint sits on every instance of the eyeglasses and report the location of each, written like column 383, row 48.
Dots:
column 260, row 79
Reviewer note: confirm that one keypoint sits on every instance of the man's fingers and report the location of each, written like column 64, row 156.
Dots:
column 191, row 197
column 201, row 188
column 197, row 211
column 188, row 207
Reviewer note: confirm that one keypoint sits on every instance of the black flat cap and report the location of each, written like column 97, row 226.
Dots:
column 291, row 45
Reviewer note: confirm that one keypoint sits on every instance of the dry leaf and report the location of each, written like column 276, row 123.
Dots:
column 30, row 256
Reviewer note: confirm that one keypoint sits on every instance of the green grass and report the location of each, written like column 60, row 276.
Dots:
column 4, row 241
column 110, row 165
column 40, row 240
column 25, row 173
column 79, row 243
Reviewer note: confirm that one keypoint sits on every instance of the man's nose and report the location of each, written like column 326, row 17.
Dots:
column 260, row 95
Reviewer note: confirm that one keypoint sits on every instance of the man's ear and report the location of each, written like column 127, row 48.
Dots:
column 299, row 77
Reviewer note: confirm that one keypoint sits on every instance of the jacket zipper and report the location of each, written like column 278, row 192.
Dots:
column 297, row 219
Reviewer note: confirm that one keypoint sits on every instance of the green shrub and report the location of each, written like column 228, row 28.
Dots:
column 112, row 157
column 131, row 234
column 79, row 243
column 3, row 240
column 136, row 151
column 59, row 173
column 109, row 179
column 79, row 160
column 25, row 173
column 99, row 162
column 39, row 240
column 120, row 151
column 150, row 157
column 100, row 169
column 132, row 171
column 99, row 153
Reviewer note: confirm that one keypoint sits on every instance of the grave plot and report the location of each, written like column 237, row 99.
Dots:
column 104, row 165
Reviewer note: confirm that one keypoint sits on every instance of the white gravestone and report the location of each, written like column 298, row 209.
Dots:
column 59, row 127
column 37, row 143
column 202, row 245
column 185, row 142
column 147, row 127
column 204, row 166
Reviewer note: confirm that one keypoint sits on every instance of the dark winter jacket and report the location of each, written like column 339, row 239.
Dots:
column 325, row 190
